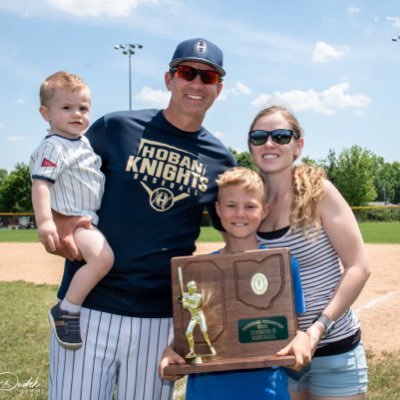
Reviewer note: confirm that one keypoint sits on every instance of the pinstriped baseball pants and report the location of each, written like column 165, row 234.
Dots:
column 118, row 360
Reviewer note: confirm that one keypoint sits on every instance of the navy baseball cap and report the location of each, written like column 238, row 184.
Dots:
column 200, row 50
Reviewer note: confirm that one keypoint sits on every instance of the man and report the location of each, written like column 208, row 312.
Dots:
column 160, row 168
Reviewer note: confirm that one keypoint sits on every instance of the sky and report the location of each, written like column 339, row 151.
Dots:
column 332, row 62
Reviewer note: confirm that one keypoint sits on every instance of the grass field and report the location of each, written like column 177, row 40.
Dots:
column 372, row 232
column 24, row 337
column 24, row 347
column 18, row 235
column 24, row 328
column 380, row 232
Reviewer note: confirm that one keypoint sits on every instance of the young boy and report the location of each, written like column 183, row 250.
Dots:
column 66, row 179
column 241, row 206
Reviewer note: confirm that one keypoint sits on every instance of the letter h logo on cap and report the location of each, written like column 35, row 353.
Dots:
column 201, row 46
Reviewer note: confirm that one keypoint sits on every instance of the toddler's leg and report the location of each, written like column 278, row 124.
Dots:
column 99, row 259
column 64, row 317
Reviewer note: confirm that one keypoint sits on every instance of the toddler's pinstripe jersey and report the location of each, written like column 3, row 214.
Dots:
column 74, row 171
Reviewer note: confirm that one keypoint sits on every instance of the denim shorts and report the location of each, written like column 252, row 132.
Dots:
column 337, row 376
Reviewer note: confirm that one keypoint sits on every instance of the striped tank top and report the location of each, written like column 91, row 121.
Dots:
column 320, row 272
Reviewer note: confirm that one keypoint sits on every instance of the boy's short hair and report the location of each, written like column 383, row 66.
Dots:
column 247, row 178
column 60, row 80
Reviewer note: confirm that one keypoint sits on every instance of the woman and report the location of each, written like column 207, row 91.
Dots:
column 309, row 215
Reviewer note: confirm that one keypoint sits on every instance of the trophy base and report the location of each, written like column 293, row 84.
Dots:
column 201, row 358
column 229, row 364
column 195, row 358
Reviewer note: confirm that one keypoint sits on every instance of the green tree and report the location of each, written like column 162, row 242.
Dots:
column 15, row 191
column 330, row 165
column 383, row 180
column 354, row 176
column 244, row 159
column 3, row 175
column 309, row 161
column 396, row 186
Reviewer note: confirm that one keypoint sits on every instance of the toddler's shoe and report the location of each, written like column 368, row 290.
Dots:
column 66, row 327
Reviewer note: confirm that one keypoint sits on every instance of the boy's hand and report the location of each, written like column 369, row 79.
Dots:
column 169, row 357
column 47, row 232
column 66, row 226
column 301, row 348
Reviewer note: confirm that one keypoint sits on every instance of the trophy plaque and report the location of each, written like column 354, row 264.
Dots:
column 232, row 311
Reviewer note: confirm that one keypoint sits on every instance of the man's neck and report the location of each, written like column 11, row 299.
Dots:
column 186, row 123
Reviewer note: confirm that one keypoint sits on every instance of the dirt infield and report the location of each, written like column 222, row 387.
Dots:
column 378, row 306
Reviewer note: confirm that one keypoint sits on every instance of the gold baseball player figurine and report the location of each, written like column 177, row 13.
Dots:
column 191, row 301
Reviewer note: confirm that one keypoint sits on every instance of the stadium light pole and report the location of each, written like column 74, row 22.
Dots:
column 128, row 49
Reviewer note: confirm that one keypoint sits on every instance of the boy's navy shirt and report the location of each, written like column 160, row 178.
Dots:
column 159, row 179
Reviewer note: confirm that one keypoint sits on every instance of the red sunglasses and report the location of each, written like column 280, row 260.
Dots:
column 188, row 73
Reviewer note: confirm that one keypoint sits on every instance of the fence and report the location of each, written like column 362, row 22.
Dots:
column 367, row 213
column 388, row 213
column 17, row 221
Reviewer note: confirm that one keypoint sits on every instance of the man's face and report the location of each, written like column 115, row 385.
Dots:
column 191, row 98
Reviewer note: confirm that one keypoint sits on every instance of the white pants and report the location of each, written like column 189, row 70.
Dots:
column 119, row 356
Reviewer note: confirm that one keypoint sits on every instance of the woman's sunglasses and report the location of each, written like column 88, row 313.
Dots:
column 188, row 73
column 280, row 136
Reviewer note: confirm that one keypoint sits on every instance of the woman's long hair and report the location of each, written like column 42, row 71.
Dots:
column 308, row 191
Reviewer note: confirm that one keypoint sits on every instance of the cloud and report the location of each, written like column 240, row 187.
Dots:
column 238, row 89
column 395, row 21
column 352, row 10
column 154, row 98
column 241, row 88
column 21, row 99
column 24, row 8
column 89, row 8
column 2, row 126
column 15, row 138
column 324, row 52
column 95, row 8
column 326, row 102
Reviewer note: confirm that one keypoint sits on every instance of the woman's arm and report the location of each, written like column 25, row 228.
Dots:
column 343, row 232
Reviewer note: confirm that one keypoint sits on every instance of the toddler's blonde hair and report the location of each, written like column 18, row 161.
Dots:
column 60, row 80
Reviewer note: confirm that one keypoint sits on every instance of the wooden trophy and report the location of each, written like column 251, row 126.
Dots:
column 232, row 311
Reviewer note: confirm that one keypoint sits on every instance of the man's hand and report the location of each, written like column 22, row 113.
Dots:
column 66, row 226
